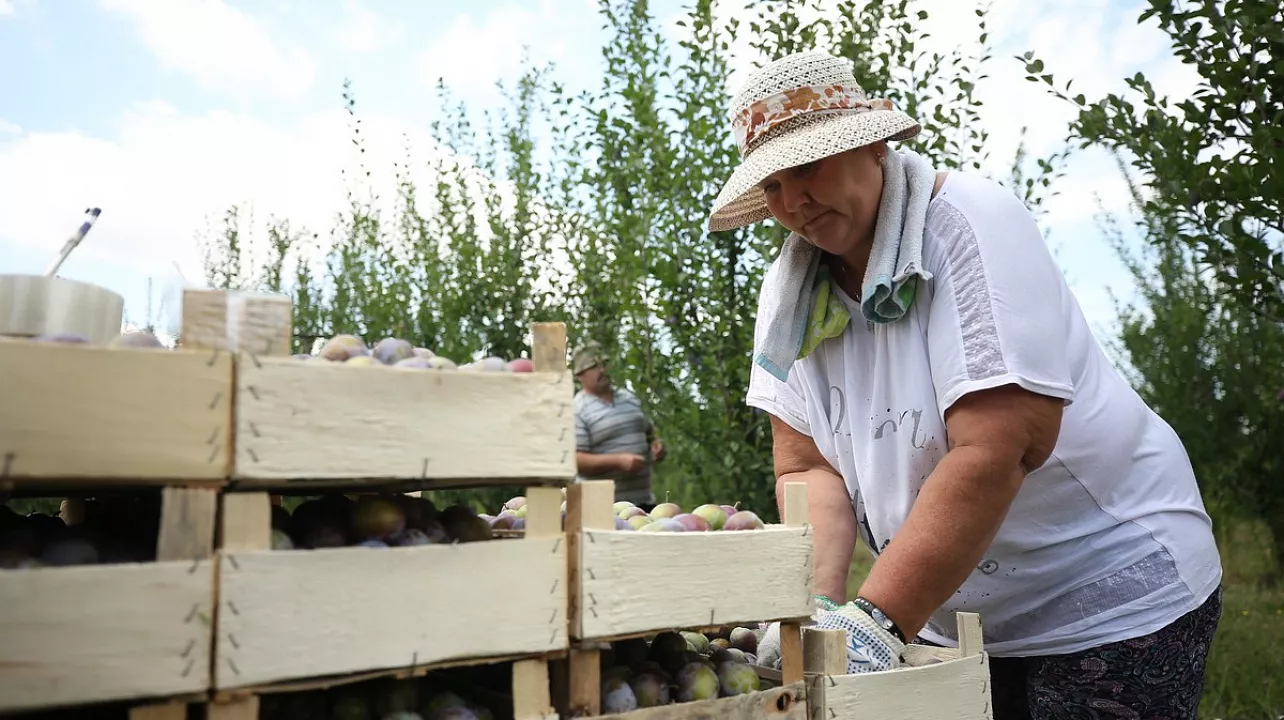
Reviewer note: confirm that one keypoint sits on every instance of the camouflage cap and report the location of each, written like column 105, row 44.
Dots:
column 587, row 356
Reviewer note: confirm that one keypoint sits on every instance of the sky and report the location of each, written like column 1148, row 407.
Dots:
column 165, row 112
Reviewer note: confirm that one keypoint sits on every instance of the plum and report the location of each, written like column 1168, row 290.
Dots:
column 719, row 644
column 737, row 679
column 622, row 524
column 649, row 689
column 505, row 521
column 63, row 337
column 712, row 514
column 521, row 365
column 343, row 347
column 729, row 509
column 637, row 522
column 666, row 510
column 363, row 360
column 621, row 505
column 417, row 363
column 69, row 551
column 691, row 523
column 424, row 353
column 631, row 511
column 439, row 362
column 492, row 364
column 377, row 518
column 515, row 503
column 617, row 696
column 137, row 339
column 462, row 525
column 697, row 681
column 281, row 540
column 302, row 356
column 744, row 639
column 743, row 520
column 411, row 537
column 662, row 525
column 390, row 350
column 698, row 642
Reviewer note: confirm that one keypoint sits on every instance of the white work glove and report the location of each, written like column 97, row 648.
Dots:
column 870, row 648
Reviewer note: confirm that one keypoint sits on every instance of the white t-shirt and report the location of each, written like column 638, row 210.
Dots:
column 1109, row 539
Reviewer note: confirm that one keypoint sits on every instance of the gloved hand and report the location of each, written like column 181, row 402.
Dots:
column 869, row 647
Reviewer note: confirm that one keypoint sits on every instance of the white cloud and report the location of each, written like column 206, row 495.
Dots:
column 6, row 8
column 223, row 48
column 472, row 54
column 168, row 175
column 6, row 127
column 363, row 31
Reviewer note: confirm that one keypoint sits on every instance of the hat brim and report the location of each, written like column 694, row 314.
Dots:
column 741, row 202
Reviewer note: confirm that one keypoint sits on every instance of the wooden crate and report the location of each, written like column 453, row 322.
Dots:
column 293, row 614
column 526, row 696
column 309, row 423
column 75, row 415
column 622, row 583
column 91, row 634
column 302, row 424
column 940, row 684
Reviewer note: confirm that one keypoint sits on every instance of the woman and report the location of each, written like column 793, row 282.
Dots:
column 932, row 379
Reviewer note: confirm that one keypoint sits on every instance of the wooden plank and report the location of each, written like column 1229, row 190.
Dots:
column 319, row 420
column 788, row 702
column 204, row 323
column 257, row 323
column 626, row 579
column 791, row 649
column 306, row 613
column 76, row 635
column 969, row 625
column 548, row 351
column 247, row 521
column 953, row 690
column 187, row 523
column 588, row 507
column 133, row 415
column 531, row 699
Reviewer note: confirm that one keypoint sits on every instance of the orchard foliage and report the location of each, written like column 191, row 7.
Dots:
column 590, row 208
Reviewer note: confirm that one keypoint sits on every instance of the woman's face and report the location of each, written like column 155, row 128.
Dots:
column 832, row 202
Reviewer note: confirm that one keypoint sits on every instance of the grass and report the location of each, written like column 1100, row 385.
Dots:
column 1245, row 678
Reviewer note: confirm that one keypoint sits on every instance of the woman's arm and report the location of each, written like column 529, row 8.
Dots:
column 828, row 505
column 996, row 438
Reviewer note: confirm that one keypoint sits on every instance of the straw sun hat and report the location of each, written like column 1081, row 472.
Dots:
column 800, row 108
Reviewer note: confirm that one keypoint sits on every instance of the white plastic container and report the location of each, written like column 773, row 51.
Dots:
column 33, row 305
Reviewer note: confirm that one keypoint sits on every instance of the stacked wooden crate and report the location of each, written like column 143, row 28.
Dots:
column 93, row 422
column 294, row 620
column 627, row 584
column 228, row 421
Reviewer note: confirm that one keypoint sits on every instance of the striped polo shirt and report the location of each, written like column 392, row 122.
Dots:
column 618, row 427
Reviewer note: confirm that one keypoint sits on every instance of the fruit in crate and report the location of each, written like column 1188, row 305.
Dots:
column 712, row 514
column 743, row 520
column 377, row 518
column 344, row 347
column 617, row 695
column 62, row 338
column 666, row 510
column 390, row 350
column 697, row 680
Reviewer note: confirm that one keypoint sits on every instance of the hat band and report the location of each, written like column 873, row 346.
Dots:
column 756, row 120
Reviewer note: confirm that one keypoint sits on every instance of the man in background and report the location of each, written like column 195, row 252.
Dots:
column 614, row 439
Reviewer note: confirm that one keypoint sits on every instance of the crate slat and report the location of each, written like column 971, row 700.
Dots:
column 124, row 414
column 110, row 632
column 313, row 420
column 639, row 582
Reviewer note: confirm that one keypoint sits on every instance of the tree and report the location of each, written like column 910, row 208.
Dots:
column 1213, row 162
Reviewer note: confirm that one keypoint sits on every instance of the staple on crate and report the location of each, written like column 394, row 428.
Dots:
column 188, row 650
column 213, row 435
column 254, row 430
column 232, row 606
column 232, row 664
column 196, row 608
column 187, row 669
column 8, row 464
column 554, row 588
column 213, row 358
column 232, row 639
column 213, row 454
column 218, row 395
